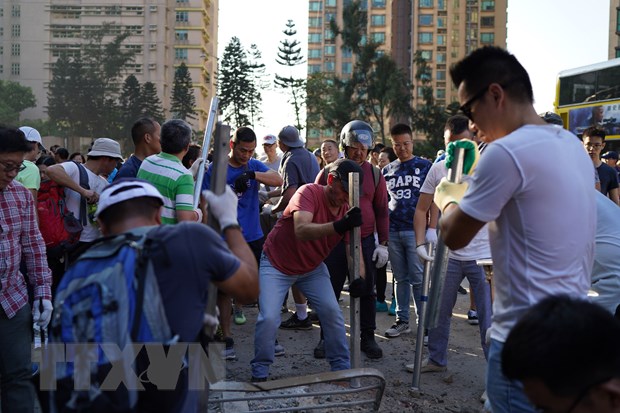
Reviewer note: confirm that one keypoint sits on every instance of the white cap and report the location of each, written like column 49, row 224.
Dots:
column 32, row 135
column 125, row 189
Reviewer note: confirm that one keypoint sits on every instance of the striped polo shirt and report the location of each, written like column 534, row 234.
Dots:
column 173, row 181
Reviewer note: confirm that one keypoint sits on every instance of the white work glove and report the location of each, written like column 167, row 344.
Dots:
column 380, row 255
column 195, row 166
column 223, row 207
column 42, row 318
column 267, row 209
column 424, row 256
column 447, row 193
column 431, row 236
column 263, row 196
column 210, row 322
column 199, row 212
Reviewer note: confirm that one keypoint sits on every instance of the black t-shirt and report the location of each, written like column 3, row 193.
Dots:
column 608, row 177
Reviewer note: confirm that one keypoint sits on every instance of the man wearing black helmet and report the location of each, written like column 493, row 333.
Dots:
column 356, row 139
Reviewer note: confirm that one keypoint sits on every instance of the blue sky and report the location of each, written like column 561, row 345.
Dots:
column 547, row 36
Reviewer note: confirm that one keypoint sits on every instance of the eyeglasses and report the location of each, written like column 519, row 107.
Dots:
column 10, row 167
column 466, row 107
column 592, row 145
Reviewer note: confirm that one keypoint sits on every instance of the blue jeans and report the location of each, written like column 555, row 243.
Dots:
column 16, row 362
column 438, row 337
column 408, row 272
column 317, row 287
column 505, row 396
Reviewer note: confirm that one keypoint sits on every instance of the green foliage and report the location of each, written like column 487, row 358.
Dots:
column 239, row 84
column 130, row 102
column 183, row 101
column 14, row 98
column 83, row 92
column 289, row 56
column 151, row 104
column 257, row 83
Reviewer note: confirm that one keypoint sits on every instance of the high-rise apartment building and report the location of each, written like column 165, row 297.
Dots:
column 443, row 31
column 164, row 33
column 614, row 29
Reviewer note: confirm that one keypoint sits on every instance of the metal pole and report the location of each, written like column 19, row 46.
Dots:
column 206, row 143
column 218, row 185
column 419, row 343
column 354, row 271
column 440, row 262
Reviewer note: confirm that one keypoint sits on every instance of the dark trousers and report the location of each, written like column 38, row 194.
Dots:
column 338, row 271
column 381, row 283
column 16, row 362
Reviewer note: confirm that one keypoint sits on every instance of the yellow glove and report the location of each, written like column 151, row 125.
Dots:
column 447, row 193
column 470, row 159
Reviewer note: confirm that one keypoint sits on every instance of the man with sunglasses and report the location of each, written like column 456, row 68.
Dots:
column 20, row 237
column 541, row 218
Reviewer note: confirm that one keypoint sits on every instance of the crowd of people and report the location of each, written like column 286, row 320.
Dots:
column 284, row 227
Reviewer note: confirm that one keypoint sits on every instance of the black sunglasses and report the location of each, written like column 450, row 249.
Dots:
column 466, row 107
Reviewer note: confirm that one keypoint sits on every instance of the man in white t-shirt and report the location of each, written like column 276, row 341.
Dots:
column 541, row 218
column 461, row 264
column 102, row 160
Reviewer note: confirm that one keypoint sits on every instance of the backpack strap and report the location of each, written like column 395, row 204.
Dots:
column 84, row 184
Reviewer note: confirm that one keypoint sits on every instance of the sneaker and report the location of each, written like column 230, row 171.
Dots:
column 279, row 350
column 294, row 323
column 461, row 290
column 319, row 350
column 258, row 379
column 484, row 397
column 238, row 316
column 369, row 346
column 425, row 339
column 398, row 328
column 381, row 306
column 229, row 351
column 314, row 317
column 427, row 367
column 345, row 287
column 392, row 309
column 472, row 317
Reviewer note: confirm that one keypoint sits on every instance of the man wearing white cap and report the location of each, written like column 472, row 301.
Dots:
column 102, row 160
column 30, row 176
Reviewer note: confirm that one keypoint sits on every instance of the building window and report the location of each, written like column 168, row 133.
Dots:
column 441, row 4
column 329, row 17
column 426, row 55
column 15, row 49
column 15, row 11
column 487, row 38
column 314, row 69
column 329, row 35
column 182, row 17
column 425, row 19
column 16, row 30
column 378, row 4
column 440, row 93
column 488, row 21
column 315, row 21
column 330, row 66
column 425, row 38
column 314, row 53
column 427, row 3
column 180, row 54
column 441, row 40
column 1, row 11
column 330, row 3
column 441, row 57
column 617, row 52
column 377, row 20
column 487, row 5
column 421, row 91
column 347, row 68
column 378, row 37
column 1, row 69
column 1, row 50
column 15, row 69
column 455, row 36
column 618, row 21
column 441, row 22
column 347, row 53
column 315, row 6
column 314, row 37
column 181, row 35
column 441, row 75
column 330, row 50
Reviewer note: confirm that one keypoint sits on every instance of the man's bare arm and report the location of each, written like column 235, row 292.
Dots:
column 457, row 228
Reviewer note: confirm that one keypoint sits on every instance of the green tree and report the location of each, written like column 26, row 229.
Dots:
column 151, row 104
column 329, row 103
column 289, row 56
column 130, row 101
column 14, row 98
column 183, row 104
column 257, row 84
column 83, row 92
column 234, row 83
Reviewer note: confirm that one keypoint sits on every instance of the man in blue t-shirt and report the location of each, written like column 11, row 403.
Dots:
column 404, row 178
column 244, row 176
column 145, row 134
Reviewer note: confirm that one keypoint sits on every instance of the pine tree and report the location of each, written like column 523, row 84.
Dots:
column 289, row 55
column 151, row 104
column 130, row 102
column 257, row 84
column 234, row 83
column 183, row 100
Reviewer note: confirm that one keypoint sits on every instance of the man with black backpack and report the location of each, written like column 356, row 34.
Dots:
column 20, row 239
column 178, row 260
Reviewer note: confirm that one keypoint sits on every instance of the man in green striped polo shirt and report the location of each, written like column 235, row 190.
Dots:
column 166, row 172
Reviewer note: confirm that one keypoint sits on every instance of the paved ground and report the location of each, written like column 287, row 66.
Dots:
column 457, row 390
